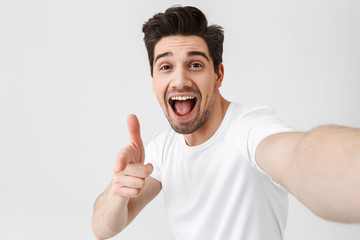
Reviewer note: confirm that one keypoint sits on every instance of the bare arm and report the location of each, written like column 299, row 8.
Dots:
column 130, row 191
column 321, row 168
column 112, row 212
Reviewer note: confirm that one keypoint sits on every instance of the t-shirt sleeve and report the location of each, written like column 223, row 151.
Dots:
column 255, row 125
column 152, row 156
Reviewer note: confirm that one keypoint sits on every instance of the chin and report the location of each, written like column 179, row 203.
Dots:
column 187, row 127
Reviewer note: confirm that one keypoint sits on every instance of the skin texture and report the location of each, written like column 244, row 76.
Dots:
column 321, row 167
column 131, row 188
column 178, row 71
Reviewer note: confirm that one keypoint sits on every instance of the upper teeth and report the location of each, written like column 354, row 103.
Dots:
column 182, row 98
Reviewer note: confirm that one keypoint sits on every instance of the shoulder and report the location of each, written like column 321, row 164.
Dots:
column 247, row 113
column 156, row 148
column 253, row 125
column 262, row 118
column 162, row 139
column 162, row 136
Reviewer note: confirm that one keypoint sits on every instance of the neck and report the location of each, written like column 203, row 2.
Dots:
column 208, row 129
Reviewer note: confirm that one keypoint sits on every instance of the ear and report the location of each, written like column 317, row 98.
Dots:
column 219, row 76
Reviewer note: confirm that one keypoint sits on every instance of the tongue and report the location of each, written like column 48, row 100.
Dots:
column 183, row 107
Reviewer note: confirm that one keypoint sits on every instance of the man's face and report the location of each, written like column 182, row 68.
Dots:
column 184, row 81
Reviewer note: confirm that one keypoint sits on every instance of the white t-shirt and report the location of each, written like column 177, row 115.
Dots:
column 216, row 190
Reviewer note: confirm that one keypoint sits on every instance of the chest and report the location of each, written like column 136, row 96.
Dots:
column 216, row 170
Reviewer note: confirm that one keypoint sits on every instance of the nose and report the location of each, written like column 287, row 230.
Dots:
column 180, row 79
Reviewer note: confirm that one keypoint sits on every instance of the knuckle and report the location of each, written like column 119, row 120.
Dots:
column 120, row 154
column 116, row 185
column 121, row 157
column 123, row 192
column 116, row 190
column 133, row 192
column 136, row 192
column 143, row 171
column 146, row 171
column 117, row 178
column 141, row 183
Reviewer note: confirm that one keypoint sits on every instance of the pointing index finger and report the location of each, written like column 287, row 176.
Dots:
column 135, row 136
column 134, row 128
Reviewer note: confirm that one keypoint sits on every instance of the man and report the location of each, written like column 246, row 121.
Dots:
column 225, row 169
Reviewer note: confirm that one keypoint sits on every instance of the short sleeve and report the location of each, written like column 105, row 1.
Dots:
column 152, row 156
column 255, row 125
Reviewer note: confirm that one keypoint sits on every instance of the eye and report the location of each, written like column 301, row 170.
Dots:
column 165, row 67
column 196, row 65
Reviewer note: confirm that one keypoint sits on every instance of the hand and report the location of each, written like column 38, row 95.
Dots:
column 130, row 172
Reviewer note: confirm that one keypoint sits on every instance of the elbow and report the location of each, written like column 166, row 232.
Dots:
column 101, row 231
column 98, row 230
column 95, row 231
column 98, row 238
column 339, row 215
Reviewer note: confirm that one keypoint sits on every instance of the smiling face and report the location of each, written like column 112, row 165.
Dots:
column 185, row 82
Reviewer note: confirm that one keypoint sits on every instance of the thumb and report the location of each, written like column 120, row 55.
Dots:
column 135, row 137
column 150, row 168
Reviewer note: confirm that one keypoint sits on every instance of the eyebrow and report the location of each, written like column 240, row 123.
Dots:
column 166, row 54
column 193, row 53
column 196, row 53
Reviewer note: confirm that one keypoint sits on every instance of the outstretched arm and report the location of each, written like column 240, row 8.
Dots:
column 321, row 168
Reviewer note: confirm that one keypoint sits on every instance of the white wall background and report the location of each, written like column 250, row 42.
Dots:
column 71, row 71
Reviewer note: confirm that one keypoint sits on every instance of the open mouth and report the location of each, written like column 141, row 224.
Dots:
column 182, row 105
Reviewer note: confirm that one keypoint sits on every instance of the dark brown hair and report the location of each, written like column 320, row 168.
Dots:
column 184, row 21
